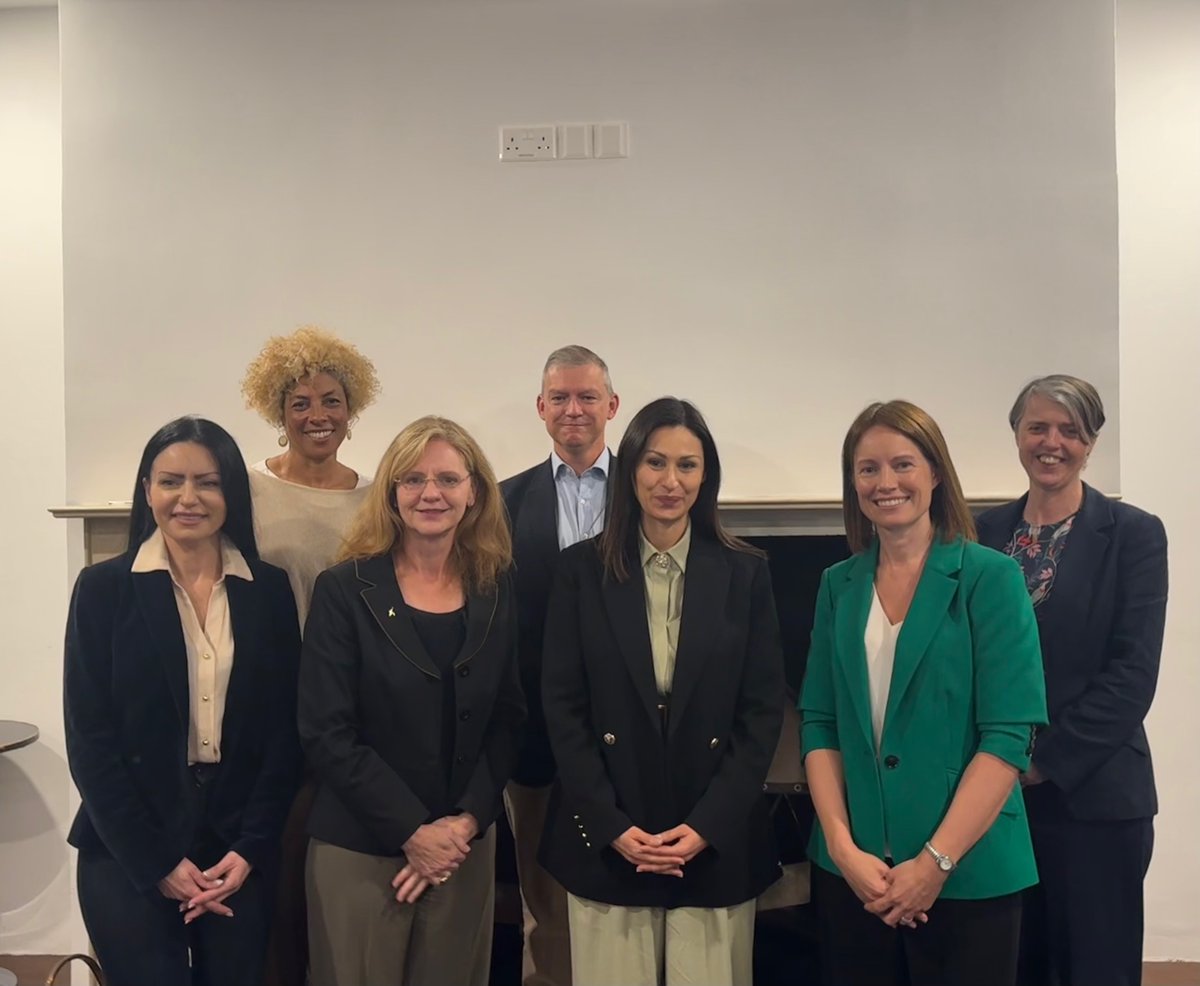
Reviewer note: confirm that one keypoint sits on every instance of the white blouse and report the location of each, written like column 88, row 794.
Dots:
column 880, row 642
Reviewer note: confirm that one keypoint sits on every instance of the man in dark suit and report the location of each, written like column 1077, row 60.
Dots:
column 554, row 504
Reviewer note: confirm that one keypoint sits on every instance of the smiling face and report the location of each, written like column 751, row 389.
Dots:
column 316, row 416
column 893, row 480
column 669, row 475
column 576, row 406
column 435, row 507
column 184, row 493
column 1050, row 445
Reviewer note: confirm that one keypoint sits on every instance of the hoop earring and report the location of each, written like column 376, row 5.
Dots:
column 282, row 439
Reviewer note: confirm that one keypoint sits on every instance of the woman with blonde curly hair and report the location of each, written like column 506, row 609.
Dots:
column 410, row 714
column 311, row 385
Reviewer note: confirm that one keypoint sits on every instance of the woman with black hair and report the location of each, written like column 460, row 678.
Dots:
column 663, row 689
column 180, row 696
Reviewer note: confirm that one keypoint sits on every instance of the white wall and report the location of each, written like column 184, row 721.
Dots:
column 1158, row 162
column 36, row 796
column 828, row 201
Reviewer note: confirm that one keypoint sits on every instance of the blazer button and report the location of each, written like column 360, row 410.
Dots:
column 464, row 672
column 609, row 738
column 713, row 743
column 465, row 715
column 891, row 762
column 460, row 759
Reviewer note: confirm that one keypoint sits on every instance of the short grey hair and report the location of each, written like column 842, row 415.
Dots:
column 1078, row 397
column 576, row 356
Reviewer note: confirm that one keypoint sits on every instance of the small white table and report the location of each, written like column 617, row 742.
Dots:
column 13, row 736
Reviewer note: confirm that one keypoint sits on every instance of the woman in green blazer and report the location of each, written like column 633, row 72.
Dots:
column 923, row 692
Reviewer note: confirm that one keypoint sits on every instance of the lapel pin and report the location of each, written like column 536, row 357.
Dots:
column 391, row 611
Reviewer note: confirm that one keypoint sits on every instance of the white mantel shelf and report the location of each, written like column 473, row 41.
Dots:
column 748, row 518
column 88, row 511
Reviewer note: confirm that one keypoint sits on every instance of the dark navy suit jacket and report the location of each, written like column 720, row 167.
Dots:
column 1101, row 632
column 125, row 696
column 532, row 503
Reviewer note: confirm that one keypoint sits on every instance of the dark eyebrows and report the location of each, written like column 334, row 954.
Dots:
column 683, row 458
column 180, row 475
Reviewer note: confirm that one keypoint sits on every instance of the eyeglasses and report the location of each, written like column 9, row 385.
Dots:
column 444, row 481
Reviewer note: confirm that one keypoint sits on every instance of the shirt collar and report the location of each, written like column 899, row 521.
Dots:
column 677, row 552
column 152, row 557
column 557, row 465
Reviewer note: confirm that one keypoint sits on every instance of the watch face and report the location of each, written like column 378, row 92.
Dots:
column 945, row 864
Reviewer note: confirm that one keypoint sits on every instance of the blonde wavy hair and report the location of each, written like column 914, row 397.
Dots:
column 482, row 543
column 286, row 360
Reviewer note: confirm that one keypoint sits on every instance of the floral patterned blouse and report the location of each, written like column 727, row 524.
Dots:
column 1039, row 549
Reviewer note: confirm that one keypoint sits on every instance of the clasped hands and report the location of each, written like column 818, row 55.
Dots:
column 433, row 852
column 900, row 894
column 204, row 891
column 666, row 853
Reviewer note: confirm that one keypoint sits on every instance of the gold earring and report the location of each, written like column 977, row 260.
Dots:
column 282, row 440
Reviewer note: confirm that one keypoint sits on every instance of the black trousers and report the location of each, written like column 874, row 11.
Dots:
column 965, row 943
column 1084, row 922
column 140, row 938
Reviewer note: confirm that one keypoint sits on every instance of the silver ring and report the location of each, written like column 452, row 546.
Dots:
column 443, row 880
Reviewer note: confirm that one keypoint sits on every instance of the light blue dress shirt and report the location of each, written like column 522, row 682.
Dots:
column 580, row 499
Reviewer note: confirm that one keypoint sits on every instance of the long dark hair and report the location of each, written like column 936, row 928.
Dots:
column 235, row 484
column 618, row 542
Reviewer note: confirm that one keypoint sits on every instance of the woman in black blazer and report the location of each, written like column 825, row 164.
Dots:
column 410, row 712
column 179, row 695
column 663, row 689
column 1097, row 573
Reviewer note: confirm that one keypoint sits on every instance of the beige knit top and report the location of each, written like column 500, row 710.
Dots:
column 300, row 528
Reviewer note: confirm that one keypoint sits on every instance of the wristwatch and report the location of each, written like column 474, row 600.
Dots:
column 945, row 863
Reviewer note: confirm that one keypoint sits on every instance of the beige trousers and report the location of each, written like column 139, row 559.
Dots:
column 358, row 935
column 654, row 946
column 546, row 957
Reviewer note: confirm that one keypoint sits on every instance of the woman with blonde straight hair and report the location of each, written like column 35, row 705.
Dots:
column 410, row 713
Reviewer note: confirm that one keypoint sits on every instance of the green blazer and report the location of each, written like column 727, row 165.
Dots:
column 967, row 678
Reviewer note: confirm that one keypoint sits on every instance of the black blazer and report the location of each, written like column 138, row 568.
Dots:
column 1101, row 632
column 617, row 765
column 125, row 698
column 371, row 710
column 532, row 503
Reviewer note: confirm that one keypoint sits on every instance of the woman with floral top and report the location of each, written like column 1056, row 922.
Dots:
column 1096, row 570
